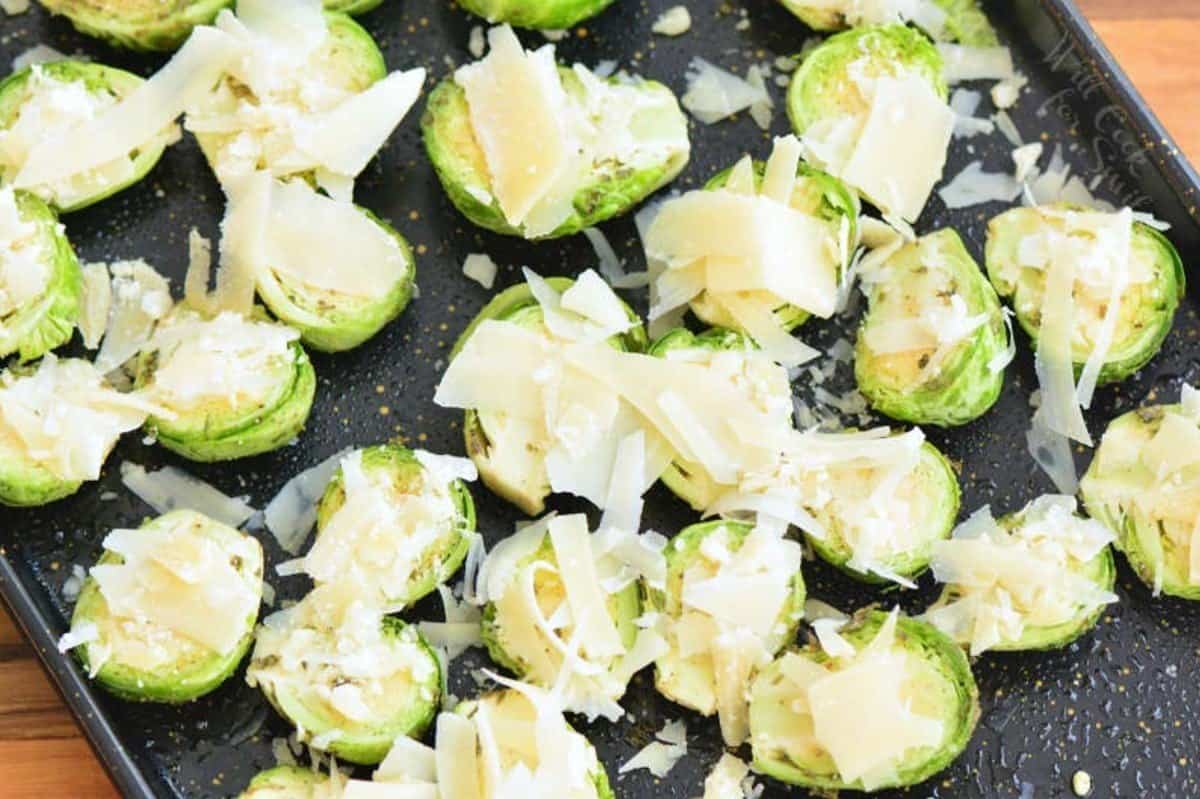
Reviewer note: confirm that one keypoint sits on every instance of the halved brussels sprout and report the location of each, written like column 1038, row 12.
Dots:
column 695, row 554
column 392, row 524
column 44, row 100
column 58, row 423
column 1035, row 579
column 895, row 706
column 526, row 580
column 230, row 387
column 900, row 542
column 960, row 21
column 505, row 452
column 353, row 7
column 1145, row 485
column 1153, row 285
column 934, row 343
column 349, row 678
column 289, row 782
column 168, row 612
column 40, row 278
column 333, row 321
column 816, row 194
column 138, row 24
column 348, row 61
column 540, row 14
column 623, row 139
column 511, row 718
column 766, row 384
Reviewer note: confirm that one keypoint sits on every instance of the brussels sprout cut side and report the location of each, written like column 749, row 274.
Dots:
column 599, row 146
column 46, row 100
column 353, row 7
column 960, row 21
column 168, row 612
column 702, row 553
column 138, row 24
column 391, row 524
column 1128, row 281
column 933, row 346
column 40, row 279
column 540, row 14
column 349, row 678
column 1144, row 483
column 510, row 453
column 891, row 705
column 1036, row 579
column 289, row 782
column 230, row 387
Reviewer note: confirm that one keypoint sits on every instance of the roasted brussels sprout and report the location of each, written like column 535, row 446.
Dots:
column 229, row 387
column 1144, row 483
column 349, row 678
column 57, row 425
column 289, row 782
column 933, row 346
column 40, row 278
column 168, row 611
column 138, row 24
column 859, row 96
column 508, row 452
column 46, row 100
column 960, row 21
column 352, row 7
column 1035, row 579
column 527, row 148
column 1128, row 281
column 529, row 579
column 395, row 522
column 890, row 705
column 711, row 623
column 541, row 14
column 765, row 384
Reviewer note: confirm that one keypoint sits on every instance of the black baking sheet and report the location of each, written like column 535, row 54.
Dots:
column 1122, row 703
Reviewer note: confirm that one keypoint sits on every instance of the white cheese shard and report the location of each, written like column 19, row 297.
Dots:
column 610, row 265
column 456, row 759
column 481, row 268
column 39, row 54
column 291, row 513
column 964, row 63
column 169, row 489
column 25, row 265
column 135, row 120
column 517, row 108
column 973, row 187
column 195, row 283
column 714, row 94
column 460, row 631
column 675, row 21
column 725, row 779
column 1007, row 92
column 1025, row 160
column 140, row 297
column 585, row 598
column 65, row 417
column 660, row 755
column 14, row 7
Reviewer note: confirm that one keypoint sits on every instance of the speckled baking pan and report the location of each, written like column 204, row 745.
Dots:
column 1123, row 703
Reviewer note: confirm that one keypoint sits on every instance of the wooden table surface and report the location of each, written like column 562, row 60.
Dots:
column 43, row 755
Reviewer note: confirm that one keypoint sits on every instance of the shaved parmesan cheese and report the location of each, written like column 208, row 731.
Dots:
column 675, row 21
column 195, row 284
column 140, row 297
column 1006, row 93
column 609, row 264
column 573, row 551
column 456, row 757
column 291, row 514
column 963, row 63
column 1007, row 127
column 96, row 304
column 714, row 94
column 1025, row 160
column 460, row 631
column 481, row 268
column 14, row 7
column 973, row 187
column 724, row 781
column 475, row 42
column 169, row 489
column 660, row 756
column 39, row 54
column 407, row 760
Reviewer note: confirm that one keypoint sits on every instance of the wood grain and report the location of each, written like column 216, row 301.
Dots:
column 41, row 752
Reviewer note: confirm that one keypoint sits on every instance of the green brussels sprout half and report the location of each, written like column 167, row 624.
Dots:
column 398, row 471
column 607, row 189
column 145, row 661
column 1147, row 306
column 349, row 59
column 138, row 24
column 933, row 495
column 1146, row 500
column 943, row 383
column 352, row 7
column 965, row 22
column 37, row 314
column 519, row 475
column 511, row 709
column 1035, row 552
column 215, row 424
column 349, row 678
column 817, row 194
column 107, row 85
column 688, row 481
column 540, row 14
column 938, row 684
column 690, row 681
column 823, row 87
column 504, row 613
column 331, row 321
column 286, row 782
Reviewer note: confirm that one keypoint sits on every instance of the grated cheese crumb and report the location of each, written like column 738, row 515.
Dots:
column 675, row 21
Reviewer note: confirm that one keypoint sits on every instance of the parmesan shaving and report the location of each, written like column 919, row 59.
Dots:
column 714, row 94
column 973, row 187
column 169, row 489
column 963, row 63
column 481, row 268
column 291, row 513
column 140, row 297
column 675, row 21
column 660, row 755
